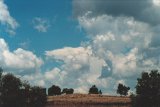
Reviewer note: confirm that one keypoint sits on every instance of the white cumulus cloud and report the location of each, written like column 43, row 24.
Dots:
column 7, row 19
column 19, row 61
column 120, row 48
column 80, row 69
column 125, row 44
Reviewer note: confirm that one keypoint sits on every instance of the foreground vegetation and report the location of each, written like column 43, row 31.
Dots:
column 147, row 90
column 15, row 93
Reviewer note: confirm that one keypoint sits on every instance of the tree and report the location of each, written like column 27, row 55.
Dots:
column 1, row 71
column 68, row 91
column 100, row 92
column 148, row 89
column 10, row 92
column 122, row 89
column 15, row 93
column 93, row 90
column 54, row 90
column 37, row 97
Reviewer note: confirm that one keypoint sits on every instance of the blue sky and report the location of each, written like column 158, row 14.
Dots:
column 63, row 29
column 79, row 43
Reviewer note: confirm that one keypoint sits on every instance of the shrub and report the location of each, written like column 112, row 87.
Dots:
column 93, row 90
column 54, row 90
column 68, row 91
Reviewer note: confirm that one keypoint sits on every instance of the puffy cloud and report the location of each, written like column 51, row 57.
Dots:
column 156, row 2
column 40, row 24
column 3, row 45
column 142, row 10
column 126, row 45
column 19, row 61
column 122, row 45
column 116, row 34
column 7, row 19
column 35, row 79
column 54, row 74
column 118, row 51
column 45, row 79
column 69, row 54
column 80, row 68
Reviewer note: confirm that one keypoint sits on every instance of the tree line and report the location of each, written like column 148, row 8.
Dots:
column 56, row 90
column 17, row 93
column 147, row 90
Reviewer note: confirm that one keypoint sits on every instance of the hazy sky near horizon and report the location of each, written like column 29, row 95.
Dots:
column 79, row 43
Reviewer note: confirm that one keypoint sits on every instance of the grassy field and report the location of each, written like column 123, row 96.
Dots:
column 83, row 100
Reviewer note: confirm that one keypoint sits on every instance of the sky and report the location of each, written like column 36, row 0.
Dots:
column 80, row 43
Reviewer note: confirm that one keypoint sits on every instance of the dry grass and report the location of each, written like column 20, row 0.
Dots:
column 84, row 100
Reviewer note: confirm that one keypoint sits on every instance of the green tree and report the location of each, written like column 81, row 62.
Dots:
column 93, row 90
column 10, row 92
column 100, row 92
column 54, row 90
column 122, row 89
column 15, row 93
column 1, row 70
column 148, row 90
column 68, row 91
column 37, row 97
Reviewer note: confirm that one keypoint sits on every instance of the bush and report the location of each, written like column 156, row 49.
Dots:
column 68, row 91
column 54, row 90
column 93, row 90
column 100, row 92
column 122, row 89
